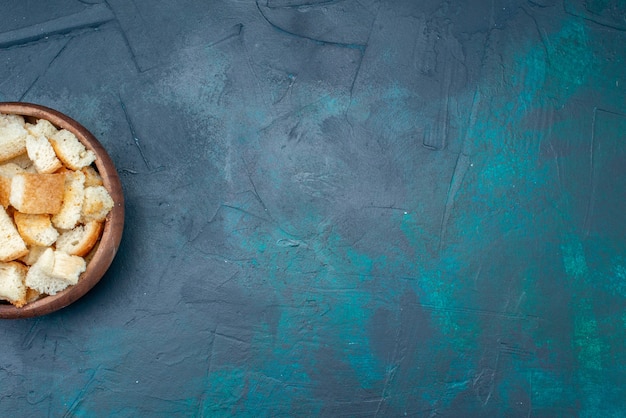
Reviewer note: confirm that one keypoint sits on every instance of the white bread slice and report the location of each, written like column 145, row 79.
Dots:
column 54, row 271
column 12, row 136
column 80, row 240
column 42, row 128
column 12, row 246
column 71, row 151
column 24, row 161
column 36, row 230
column 97, row 204
column 37, row 193
column 10, row 169
column 33, row 255
column 7, row 171
column 73, row 197
column 67, row 267
column 38, row 276
column 92, row 177
column 42, row 154
column 12, row 286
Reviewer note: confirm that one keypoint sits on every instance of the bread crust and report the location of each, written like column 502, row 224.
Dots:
column 12, row 136
column 12, row 246
column 37, row 193
column 71, row 151
column 92, row 177
column 7, row 171
column 80, row 240
column 42, row 154
column 12, row 288
column 5, row 191
column 36, row 229
column 97, row 204
column 73, row 197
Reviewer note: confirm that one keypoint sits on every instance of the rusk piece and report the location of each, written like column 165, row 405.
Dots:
column 73, row 197
column 24, row 161
column 42, row 154
column 80, row 240
column 92, row 177
column 12, row 286
column 54, row 271
column 7, row 171
column 33, row 255
column 37, row 193
column 71, row 151
column 12, row 136
column 36, row 230
column 42, row 128
column 97, row 204
column 12, row 246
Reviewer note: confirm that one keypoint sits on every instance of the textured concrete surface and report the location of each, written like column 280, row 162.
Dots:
column 337, row 208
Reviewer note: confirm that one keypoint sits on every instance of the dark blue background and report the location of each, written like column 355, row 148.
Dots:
column 337, row 208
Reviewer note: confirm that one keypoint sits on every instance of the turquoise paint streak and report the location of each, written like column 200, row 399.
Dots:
column 594, row 264
column 326, row 308
column 574, row 261
column 506, row 167
column 617, row 278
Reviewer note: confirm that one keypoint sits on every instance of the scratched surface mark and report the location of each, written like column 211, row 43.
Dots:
column 337, row 208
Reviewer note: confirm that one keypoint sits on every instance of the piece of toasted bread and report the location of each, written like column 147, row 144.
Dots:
column 7, row 171
column 67, row 267
column 5, row 191
column 71, row 151
column 73, row 198
column 41, row 128
column 12, row 246
column 38, row 275
column 97, row 204
column 92, row 177
column 12, row 286
column 24, row 161
column 37, row 193
column 34, row 252
column 36, row 230
column 12, row 136
column 42, row 154
column 80, row 240
column 10, row 169
column 54, row 271
column 31, row 295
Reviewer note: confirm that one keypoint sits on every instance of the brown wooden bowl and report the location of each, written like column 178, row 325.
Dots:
column 114, row 223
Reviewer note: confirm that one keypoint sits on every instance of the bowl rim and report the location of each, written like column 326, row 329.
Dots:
column 113, row 225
